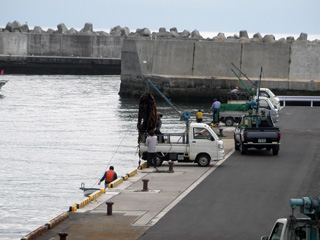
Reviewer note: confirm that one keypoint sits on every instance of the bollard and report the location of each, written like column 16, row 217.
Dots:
column 220, row 131
column 170, row 166
column 63, row 236
column 145, row 184
column 109, row 209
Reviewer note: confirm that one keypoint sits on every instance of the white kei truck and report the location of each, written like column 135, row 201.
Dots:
column 198, row 144
column 266, row 92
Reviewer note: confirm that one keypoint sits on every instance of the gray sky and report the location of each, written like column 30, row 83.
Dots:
column 227, row 16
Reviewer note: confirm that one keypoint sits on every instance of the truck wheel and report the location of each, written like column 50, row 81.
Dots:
column 229, row 122
column 159, row 161
column 236, row 145
column 203, row 160
column 275, row 150
column 243, row 149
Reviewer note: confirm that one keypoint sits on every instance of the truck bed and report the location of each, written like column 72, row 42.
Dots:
column 167, row 147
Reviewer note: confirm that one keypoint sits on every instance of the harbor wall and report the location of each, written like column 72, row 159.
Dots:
column 184, row 66
column 45, row 44
column 202, row 69
column 43, row 53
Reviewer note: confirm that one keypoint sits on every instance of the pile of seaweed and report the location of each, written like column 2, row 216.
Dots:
column 147, row 117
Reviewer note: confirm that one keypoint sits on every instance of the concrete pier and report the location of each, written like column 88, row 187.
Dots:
column 135, row 210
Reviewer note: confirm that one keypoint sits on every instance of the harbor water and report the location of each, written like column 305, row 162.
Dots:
column 60, row 131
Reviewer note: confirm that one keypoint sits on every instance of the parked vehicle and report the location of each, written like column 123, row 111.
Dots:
column 232, row 113
column 298, row 228
column 264, row 92
column 255, row 131
column 198, row 144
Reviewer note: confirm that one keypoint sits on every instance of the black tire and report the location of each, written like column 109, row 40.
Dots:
column 236, row 145
column 229, row 121
column 159, row 160
column 243, row 149
column 203, row 160
column 275, row 150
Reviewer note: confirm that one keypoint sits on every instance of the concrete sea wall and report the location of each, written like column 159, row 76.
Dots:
column 201, row 70
column 69, row 51
column 183, row 65
column 59, row 54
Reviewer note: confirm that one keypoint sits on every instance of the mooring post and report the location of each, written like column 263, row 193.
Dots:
column 145, row 184
column 63, row 236
column 170, row 166
column 220, row 131
column 109, row 209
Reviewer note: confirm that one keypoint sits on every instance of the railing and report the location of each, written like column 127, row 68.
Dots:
column 310, row 99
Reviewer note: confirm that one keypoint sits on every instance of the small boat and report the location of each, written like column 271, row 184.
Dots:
column 88, row 191
column 3, row 82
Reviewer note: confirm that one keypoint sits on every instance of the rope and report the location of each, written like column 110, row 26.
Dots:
column 114, row 154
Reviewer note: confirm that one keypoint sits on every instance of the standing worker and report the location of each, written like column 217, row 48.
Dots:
column 108, row 176
column 151, row 142
column 199, row 116
column 158, row 127
column 235, row 94
column 214, row 108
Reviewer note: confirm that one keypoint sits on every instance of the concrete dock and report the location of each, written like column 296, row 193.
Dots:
column 137, row 206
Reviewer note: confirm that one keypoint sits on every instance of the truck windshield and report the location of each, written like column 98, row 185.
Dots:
column 264, row 94
column 276, row 233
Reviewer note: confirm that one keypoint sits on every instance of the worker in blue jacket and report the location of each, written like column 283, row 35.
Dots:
column 214, row 108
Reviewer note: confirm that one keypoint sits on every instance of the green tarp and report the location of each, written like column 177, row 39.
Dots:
column 231, row 107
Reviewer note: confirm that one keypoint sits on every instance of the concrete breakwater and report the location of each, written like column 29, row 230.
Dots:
column 183, row 65
column 201, row 70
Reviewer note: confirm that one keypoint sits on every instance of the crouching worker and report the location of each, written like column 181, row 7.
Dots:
column 108, row 177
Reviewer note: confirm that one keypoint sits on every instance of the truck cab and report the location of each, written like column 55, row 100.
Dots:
column 266, row 92
column 199, row 144
column 294, row 228
column 305, row 228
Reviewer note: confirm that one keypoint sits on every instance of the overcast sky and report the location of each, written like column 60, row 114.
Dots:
column 227, row 16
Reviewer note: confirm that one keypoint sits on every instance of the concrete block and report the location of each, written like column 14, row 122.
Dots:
column 107, row 46
column 273, row 58
column 131, row 60
column 305, row 61
column 44, row 44
column 172, row 57
column 77, row 45
column 215, row 58
column 13, row 43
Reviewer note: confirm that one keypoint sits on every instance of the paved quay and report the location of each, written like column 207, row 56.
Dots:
column 134, row 211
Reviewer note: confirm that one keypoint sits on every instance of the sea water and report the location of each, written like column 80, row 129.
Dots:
column 57, row 132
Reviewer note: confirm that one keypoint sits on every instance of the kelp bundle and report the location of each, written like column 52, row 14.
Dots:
column 147, row 118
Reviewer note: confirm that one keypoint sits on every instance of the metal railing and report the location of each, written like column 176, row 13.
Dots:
column 310, row 99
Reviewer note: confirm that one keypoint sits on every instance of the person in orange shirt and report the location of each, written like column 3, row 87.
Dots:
column 108, row 176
